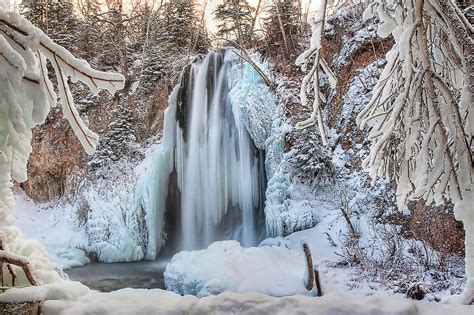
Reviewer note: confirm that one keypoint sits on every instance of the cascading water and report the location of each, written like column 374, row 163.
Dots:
column 207, row 180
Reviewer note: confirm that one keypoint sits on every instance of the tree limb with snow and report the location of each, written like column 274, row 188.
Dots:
column 420, row 115
column 27, row 94
column 311, row 80
column 13, row 259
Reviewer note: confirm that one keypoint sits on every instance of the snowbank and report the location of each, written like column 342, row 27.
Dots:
column 72, row 299
column 63, row 290
column 226, row 266
column 37, row 256
column 53, row 228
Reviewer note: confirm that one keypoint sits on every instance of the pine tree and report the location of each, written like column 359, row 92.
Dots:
column 181, row 26
column 173, row 34
column 281, row 27
column 55, row 18
column 237, row 20
column 117, row 140
column 89, row 41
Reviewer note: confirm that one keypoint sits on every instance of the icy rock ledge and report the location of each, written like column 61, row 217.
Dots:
column 226, row 266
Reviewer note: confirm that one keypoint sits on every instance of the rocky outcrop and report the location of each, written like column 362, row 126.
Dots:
column 58, row 161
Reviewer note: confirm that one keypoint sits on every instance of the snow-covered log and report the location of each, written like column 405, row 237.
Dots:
column 420, row 114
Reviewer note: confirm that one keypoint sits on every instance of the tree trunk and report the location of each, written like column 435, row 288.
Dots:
column 282, row 29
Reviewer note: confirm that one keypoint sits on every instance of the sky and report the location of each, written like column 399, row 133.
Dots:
column 211, row 6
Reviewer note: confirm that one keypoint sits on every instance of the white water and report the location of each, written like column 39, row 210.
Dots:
column 219, row 186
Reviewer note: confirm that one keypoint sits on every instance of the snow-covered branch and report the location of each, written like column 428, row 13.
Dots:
column 420, row 114
column 13, row 259
column 311, row 79
column 27, row 94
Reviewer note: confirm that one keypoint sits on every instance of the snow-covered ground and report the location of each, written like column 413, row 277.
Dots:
column 71, row 298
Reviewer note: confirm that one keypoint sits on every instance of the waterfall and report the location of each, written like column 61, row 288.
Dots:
column 207, row 180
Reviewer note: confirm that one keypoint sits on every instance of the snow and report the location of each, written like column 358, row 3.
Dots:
column 102, row 220
column 225, row 266
column 388, row 23
column 34, row 251
column 359, row 91
column 63, row 290
column 73, row 299
column 53, row 228
column 463, row 211
column 358, row 34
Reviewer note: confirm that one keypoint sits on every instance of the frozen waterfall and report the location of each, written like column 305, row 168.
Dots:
column 207, row 181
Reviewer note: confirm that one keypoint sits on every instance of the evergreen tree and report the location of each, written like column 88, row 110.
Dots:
column 55, row 18
column 174, row 33
column 281, row 26
column 117, row 140
column 89, row 41
column 237, row 20
column 181, row 26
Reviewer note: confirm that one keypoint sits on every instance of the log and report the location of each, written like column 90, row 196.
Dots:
column 313, row 273
column 309, row 265
column 20, row 308
column 318, row 282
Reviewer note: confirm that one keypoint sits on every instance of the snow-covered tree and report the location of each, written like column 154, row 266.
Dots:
column 236, row 21
column 181, row 26
column 55, row 18
column 116, row 141
column 27, row 94
column 420, row 114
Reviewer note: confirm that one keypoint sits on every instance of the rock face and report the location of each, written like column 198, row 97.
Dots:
column 56, row 156
column 58, row 161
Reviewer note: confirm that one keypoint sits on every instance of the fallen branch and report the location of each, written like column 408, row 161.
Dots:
column 313, row 273
column 14, row 259
column 244, row 55
column 309, row 265
column 345, row 213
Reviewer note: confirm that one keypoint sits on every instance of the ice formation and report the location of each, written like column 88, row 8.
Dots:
column 131, row 215
column 237, row 269
column 207, row 180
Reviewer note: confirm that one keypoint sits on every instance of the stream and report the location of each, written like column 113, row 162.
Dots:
column 110, row 277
